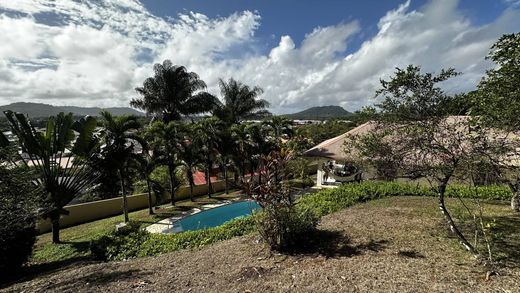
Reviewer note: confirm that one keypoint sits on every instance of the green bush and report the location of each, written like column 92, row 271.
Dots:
column 17, row 219
column 131, row 241
column 332, row 200
column 283, row 228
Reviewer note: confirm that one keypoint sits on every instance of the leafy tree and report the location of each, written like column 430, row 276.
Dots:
column 497, row 99
column 240, row 102
column 173, row 92
column 414, row 111
column 120, row 138
column 60, row 176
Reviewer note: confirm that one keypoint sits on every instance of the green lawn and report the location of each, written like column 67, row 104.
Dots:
column 76, row 239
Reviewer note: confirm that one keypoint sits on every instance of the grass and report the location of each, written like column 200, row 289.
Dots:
column 76, row 239
column 391, row 244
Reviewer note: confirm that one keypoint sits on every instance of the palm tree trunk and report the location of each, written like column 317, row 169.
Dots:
column 150, row 208
column 226, row 177
column 173, row 182
column 208, row 179
column 55, row 221
column 123, row 191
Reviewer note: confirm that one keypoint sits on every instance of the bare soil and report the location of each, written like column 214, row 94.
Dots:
column 389, row 245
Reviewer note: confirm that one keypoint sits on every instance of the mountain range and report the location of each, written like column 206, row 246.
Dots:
column 320, row 113
column 38, row 110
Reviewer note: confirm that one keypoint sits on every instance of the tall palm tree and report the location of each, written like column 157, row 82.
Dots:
column 240, row 101
column 147, row 162
column 207, row 134
column 61, row 176
column 190, row 157
column 120, row 138
column 166, row 140
column 173, row 92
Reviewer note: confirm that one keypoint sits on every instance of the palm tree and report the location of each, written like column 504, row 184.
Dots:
column 166, row 140
column 280, row 126
column 207, row 134
column 240, row 101
column 120, row 138
column 190, row 156
column 173, row 92
column 225, row 151
column 61, row 176
column 147, row 162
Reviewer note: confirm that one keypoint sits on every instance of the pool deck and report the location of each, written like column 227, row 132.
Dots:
column 166, row 225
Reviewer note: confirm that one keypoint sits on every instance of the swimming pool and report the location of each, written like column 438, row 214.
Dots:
column 214, row 217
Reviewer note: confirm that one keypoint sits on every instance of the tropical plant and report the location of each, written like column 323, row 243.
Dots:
column 62, row 175
column 173, row 92
column 168, row 139
column 280, row 126
column 240, row 102
column 147, row 162
column 207, row 136
column 120, row 145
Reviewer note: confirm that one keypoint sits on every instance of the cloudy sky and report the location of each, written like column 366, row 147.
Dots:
column 302, row 53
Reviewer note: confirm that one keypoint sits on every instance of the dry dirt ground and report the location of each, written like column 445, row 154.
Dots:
column 388, row 245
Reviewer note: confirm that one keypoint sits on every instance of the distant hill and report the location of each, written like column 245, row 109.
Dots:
column 320, row 113
column 37, row 110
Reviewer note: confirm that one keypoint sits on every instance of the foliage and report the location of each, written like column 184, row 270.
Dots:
column 47, row 151
column 240, row 102
column 332, row 200
column 18, row 202
column 323, row 131
column 132, row 241
column 173, row 92
column 281, row 223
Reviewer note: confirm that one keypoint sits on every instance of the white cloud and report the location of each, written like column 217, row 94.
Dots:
column 97, row 52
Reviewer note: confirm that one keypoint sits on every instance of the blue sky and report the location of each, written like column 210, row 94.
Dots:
column 297, row 18
column 302, row 53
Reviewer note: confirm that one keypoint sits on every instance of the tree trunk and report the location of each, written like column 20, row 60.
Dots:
column 515, row 202
column 208, row 180
column 55, row 221
column 226, row 178
column 123, row 191
column 451, row 223
column 150, row 208
column 173, row 182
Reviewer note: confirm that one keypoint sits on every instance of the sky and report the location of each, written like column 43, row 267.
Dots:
column 302, row 53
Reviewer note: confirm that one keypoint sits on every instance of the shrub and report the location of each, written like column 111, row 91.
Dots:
column 284, row 227
column 332, row 200
column 17, row 219
column 120, row 244
column 131, row 241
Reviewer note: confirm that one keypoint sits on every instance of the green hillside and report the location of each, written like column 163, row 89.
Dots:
column 36, row 110
column 320, row 113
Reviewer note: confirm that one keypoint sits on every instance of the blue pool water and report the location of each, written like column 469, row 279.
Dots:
column 215, row 217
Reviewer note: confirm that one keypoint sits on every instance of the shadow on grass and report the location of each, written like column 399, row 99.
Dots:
column 335, row 244
column 507, row 239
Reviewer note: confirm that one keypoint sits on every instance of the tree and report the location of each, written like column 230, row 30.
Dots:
column 497, row 99
column 240, row 102
column 147, row 162
column 167, row 139
column 207, row 137
column 120, row 138
column 61, row 175
column 173, row 92
column 280, row 126
column 414, row 110
column 190, row 157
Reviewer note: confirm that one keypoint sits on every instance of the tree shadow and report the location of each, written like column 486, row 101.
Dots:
column 96, row 278
column 506, row 244
column 333, row 244
column 410, row 254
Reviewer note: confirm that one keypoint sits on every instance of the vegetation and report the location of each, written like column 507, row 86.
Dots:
column 172, row 93
column 39, row 110
column 17, row 217
column 47, row 154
